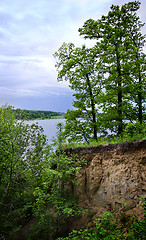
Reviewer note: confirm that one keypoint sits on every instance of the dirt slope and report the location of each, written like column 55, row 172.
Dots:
column 115, row 174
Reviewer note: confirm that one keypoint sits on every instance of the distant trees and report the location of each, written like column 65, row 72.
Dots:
column 110, row 76
column 35, row 114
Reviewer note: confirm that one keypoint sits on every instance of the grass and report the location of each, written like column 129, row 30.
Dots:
column 106, row 140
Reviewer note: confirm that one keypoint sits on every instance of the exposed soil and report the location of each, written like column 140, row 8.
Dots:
column 116, row 174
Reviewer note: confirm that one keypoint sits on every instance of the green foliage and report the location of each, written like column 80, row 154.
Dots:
column 23, row 155
column 108, row 79
column 137, row 228
column 80, row 234
column 108, row 226
column 132, row 132
column 135, row 131
column 81, row 68
column 34, row 180
column 120, row 41
column 76, row 130
column 55, row 200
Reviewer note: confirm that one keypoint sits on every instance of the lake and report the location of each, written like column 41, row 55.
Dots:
column 49, row 126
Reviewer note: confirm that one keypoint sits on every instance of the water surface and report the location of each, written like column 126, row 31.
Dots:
column 49, row 126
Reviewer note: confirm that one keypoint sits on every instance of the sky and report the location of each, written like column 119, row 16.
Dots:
column 30, row 32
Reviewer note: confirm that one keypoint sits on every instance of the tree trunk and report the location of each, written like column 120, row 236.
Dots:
column 140, row 80
column 120, row 122
column 92, row 108
column 139, row 101
column 139, row 90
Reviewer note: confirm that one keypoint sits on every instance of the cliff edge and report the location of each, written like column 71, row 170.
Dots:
column 115, row 174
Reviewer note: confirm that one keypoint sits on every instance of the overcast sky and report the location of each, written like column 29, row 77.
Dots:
column 30, row 32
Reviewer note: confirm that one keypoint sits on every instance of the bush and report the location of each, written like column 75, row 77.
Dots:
column 135, row 131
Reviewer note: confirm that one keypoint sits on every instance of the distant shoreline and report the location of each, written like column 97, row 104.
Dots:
column 37, row 114
column 59, row 117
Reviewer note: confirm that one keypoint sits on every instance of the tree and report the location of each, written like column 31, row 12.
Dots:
column 80, row 67
column 136, row 57
column 120, row 41
column 23, row 156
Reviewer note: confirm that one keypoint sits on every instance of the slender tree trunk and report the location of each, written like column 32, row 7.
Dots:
column 92, row 107
column 139, row 91
column 120, row 113
column 140, row 80
column 139, row 101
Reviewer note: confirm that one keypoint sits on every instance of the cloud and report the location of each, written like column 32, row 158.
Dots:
column 30, row 32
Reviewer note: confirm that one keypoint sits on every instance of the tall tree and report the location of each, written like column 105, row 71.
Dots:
column 134, row 54
column 118, row 35
column 80, row 67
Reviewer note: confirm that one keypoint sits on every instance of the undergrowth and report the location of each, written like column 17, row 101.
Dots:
column 114, row 227
column 132, row 132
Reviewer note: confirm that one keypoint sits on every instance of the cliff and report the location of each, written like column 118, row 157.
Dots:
column 115, row 174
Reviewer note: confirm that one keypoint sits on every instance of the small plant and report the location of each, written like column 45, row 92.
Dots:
column 123, row 216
